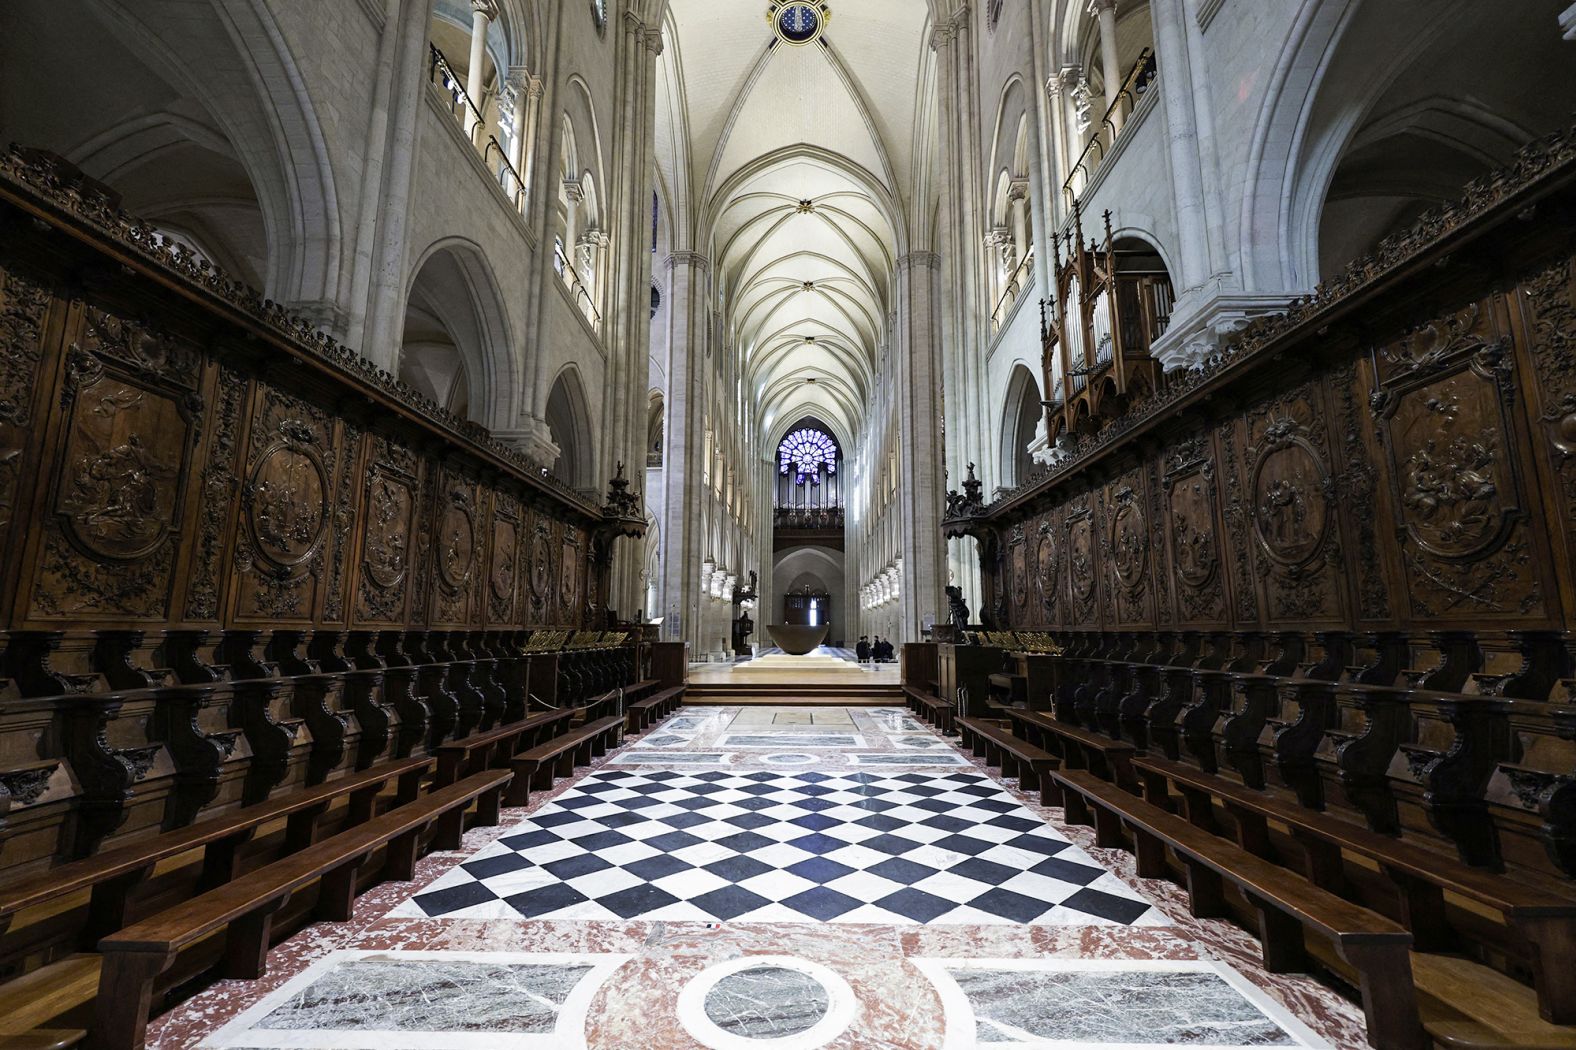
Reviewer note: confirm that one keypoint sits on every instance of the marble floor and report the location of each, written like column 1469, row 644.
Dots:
column 776, row 878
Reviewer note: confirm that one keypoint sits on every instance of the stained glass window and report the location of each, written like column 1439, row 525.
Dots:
column 804, row 452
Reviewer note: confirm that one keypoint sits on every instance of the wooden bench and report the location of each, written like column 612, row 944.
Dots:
column 1286, row 904
column 111, row 874
column 1013, row 688
column 497, row 747
column 642, row 713
column 932, row 708
column 1016, row 757
column 536, row 768
column 1543, row 919
column 1077, row 747
column 244, row 909
column 35, row 1000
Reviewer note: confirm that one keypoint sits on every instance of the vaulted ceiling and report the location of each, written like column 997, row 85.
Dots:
column 793, row 169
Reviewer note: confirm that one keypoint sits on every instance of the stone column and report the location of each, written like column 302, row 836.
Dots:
column 1069, row 78
column 684, row 447
column 1182, row 146
column 575, row 194
column 533, row 116
column 921, row 480
column 1105, row 10
column 513, row 108
column 381, row 248
column 482, row 14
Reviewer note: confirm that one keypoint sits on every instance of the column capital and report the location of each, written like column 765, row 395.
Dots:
column 1096, row 7
column 689, row 258
column 917, row 259
column 485, row 7
column 574, row 191
column 941, row 35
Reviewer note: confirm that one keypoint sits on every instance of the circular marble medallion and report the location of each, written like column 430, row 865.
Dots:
column 789, row 760
column 766, row 1002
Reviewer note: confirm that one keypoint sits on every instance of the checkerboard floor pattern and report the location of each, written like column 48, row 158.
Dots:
column 918, row 848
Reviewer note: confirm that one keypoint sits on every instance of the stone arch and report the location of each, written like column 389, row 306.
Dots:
column 206, row 123
column 456, row 347
column 569, row 420
column 1021, row 418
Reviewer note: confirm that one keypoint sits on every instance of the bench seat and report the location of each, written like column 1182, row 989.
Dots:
column 1077, row 747
column 536, row 768
column 244, row 909
column 112, row 874
column 495, row 747
column 932, row 708
column 1016, row 757
column 1544, row 920
column 1287, row 905
column 641, row 714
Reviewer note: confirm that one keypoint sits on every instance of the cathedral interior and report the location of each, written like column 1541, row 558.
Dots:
column 787, row 524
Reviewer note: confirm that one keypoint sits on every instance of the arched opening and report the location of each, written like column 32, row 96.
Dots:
column 570, row 424
column 455, row 345
column 655, row 413
column 809, row 470
column 231, row 166
column 1144, row 296
column 1385, row 110
column 1021, row 417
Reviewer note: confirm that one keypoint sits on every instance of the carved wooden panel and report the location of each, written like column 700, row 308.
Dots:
column 1291, row 509
column 503, row 559
column 1049, row 571
column 1127, row 550
column 1193, row 533
column 1455, row 472
column 388, row 518
column 24, row 305
column 1082, row 553
column 459, row 544
column 130, row 412
column 286, row 509
column 1550, row 299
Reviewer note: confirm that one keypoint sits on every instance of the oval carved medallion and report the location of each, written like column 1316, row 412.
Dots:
column 1045, row 577
column 502, row 576
column 1080, row 547
column 388, row 532
column 456, row 545
column 1290, row 510
column 287, row 501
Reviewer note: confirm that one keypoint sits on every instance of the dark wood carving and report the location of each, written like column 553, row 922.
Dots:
column 1383, row 480
column 253, row 560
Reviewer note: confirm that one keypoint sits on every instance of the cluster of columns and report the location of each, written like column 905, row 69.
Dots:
column 885, row 588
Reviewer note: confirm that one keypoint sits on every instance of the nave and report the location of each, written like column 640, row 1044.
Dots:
column 782, row 877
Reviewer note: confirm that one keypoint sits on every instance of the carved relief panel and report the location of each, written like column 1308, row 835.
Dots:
column 1082, row 546
column 285, row 509
column 1455, row 471
column 1192, row 532
column 1550, row 296
column 540, row 568
column 388, row 511
column 571, row 576
column 112, row 529
column 24, row 306
column 458, row 542
column 1018, row 555
column 1290, row 509
column 503, row 559
column 1127, row 551
column 1048, row 574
